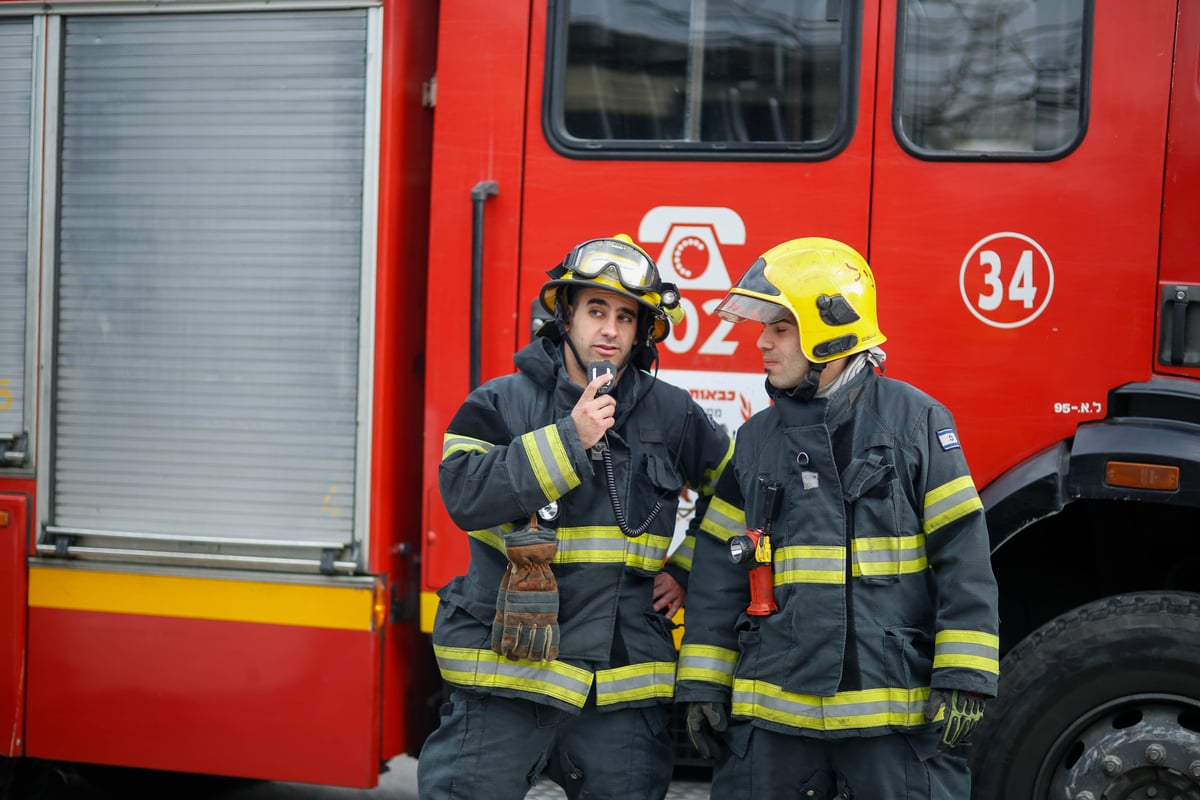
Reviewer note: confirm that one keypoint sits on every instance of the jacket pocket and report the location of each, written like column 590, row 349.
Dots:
column 909, row 656
column 871, row 487
column 663, row 641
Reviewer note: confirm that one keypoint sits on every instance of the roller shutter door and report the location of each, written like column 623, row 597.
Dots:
column 206, row 362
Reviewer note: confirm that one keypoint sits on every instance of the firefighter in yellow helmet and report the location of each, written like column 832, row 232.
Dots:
column 842, row 622
column 566, row 476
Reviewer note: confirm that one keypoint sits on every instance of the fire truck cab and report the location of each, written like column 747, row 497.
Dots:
column 254, row 255
column 1020, row 176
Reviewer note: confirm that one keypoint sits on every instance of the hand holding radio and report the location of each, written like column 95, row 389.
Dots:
column 598, row 368
column 594, row 413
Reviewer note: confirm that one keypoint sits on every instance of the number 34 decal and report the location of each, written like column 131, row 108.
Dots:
column 1006, row 280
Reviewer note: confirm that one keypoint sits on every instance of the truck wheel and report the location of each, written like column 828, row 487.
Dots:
column 1101, row 702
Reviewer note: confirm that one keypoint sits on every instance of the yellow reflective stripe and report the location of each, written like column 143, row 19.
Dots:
column 946, row 661
column 967, row 649
column 824, row 564
column 457, row 443
column 711, row 475
column 606, row 544
column 950, row 501
column 466, row 666
column 648, row 681
column 549, row 460
column 702, row 662
column 492, row 537
column 723, row 520
column 596, row 544
column 647, row 552
column 858, row 710
column 889, row 555
column 323, row 603
column 684, row 553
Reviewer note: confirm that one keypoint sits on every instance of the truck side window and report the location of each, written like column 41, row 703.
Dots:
column 992, row 78
column 699, row 77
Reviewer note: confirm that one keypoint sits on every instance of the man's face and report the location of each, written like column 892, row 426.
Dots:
column 783, row 360
column 602, row 326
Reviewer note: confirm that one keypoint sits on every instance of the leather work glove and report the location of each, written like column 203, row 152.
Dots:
column 704, row 721
column 963, row 711
column 526, row 623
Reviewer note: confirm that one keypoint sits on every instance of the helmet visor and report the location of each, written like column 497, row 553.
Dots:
column 629, row 266
column 743, row 308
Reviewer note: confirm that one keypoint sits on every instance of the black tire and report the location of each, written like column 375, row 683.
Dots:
column 1103, row 699
column 119, row 783
column 31, row 779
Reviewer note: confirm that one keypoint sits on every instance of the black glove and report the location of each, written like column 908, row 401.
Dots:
column 526, row 623
column 963, row 711
column 704, row 721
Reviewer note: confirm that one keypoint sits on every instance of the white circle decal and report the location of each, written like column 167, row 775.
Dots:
column 1006, row 280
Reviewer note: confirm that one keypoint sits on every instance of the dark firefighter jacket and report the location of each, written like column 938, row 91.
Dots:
column 881, row 568
column 511, row 449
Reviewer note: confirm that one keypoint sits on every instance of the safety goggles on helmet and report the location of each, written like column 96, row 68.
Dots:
column 615, row 264
column 628, row 265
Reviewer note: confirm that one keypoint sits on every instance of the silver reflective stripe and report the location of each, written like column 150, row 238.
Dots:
column 493, row 537
column 860, row 710
column 950, row 501
column 967, row 649
column 684, row 554
column 648, row 681
column 549, row 461
column 600, row 544
column 706, row 663
column 889, row 555
column 605, row 544
column 648, row 552
column 723, row 520
column 810, row 564
column 465, row 666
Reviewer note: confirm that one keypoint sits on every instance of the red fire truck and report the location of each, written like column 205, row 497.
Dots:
column 253, row 255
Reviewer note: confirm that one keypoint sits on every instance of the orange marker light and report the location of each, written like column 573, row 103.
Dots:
column 1142, row 476
column 380, row 605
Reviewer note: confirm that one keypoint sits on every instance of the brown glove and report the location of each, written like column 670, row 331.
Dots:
column 526, row 623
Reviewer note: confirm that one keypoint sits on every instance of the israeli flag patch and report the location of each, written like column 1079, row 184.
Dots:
column 948, row 439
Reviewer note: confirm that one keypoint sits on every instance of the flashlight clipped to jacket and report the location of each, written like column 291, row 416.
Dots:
column 756, row 545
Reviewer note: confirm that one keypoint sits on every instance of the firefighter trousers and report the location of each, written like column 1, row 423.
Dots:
column 760, row 764
column 496, row 748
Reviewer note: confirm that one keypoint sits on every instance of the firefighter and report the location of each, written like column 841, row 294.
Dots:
column 865, row 655
column 557, row 643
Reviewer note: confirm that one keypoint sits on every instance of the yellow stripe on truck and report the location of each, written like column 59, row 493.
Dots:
column 429, row 607
column 274, row 603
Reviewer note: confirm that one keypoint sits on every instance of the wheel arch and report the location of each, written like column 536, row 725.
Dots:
column 1056, row 515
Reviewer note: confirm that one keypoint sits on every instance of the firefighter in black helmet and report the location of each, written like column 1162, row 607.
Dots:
column 566, row 476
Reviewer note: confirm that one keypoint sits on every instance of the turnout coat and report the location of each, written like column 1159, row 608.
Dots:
column 513, row 449
column 881, row 568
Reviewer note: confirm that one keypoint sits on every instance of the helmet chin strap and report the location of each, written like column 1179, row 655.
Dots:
column 807, row 389
column 574, row 352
